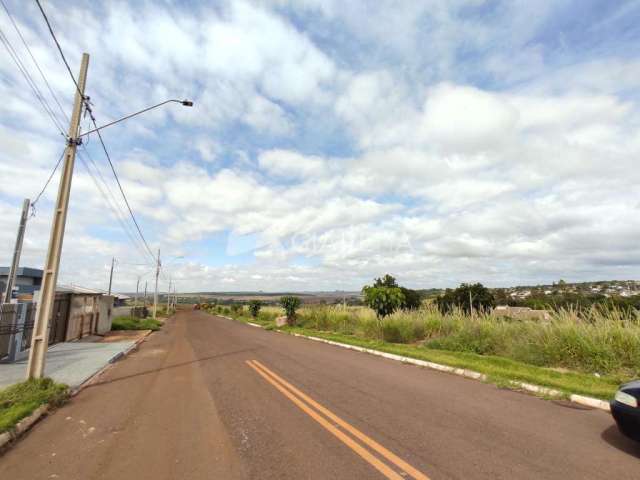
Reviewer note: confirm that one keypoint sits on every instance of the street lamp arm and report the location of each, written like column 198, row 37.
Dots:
column 186, row 103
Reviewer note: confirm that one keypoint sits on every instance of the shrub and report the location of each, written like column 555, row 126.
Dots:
column 290, row 304
column 254, row 307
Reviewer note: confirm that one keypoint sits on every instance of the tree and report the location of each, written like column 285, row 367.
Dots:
column 468, row 297
column 412, row 299
column 254, row 307
column 386, row 281
column 290, row 304
column 382, row 299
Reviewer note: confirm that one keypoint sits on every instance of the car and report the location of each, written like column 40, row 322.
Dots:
column 625, row 408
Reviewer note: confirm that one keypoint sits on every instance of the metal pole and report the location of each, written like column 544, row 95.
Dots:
column 39, row 340
column 155, row 294
column 113, row 261
column 13, row 271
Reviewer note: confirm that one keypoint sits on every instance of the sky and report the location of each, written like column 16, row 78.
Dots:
column 331, row 142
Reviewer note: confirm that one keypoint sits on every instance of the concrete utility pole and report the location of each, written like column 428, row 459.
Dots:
column 40, row 336
column 144, row 302
column 135, row 302
column 169, row 296
column 155, row 294
column 113, row 261
column 13, row 271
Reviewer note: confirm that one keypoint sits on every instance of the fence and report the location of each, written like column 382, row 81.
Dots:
column 16, row 328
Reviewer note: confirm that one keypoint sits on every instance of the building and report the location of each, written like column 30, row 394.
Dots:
column 89, row 311
column 28, row 280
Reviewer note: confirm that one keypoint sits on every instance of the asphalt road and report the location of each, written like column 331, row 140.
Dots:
column 211, row 398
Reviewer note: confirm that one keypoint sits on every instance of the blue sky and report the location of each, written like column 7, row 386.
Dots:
column 331, row 142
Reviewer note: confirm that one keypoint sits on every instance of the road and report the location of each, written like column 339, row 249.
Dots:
column 211, row 398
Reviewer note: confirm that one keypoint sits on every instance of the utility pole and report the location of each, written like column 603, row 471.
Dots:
column 155, row 294
column 169, row 295
column 13, row 271
column 40, row 336
column 135, row 302
column 144, row 302
column 113, row 261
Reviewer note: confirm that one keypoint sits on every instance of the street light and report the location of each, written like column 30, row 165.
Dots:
column 186, row 103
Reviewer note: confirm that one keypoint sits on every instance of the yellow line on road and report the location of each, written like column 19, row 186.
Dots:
column 290, row 392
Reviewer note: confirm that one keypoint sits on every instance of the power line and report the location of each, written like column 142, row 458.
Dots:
column 88, row 109
column 124, row 196
column 26, row 45
column 117, row 209
column 27, row 76
column 33, row 204
column 114, row 210
column 64, row 59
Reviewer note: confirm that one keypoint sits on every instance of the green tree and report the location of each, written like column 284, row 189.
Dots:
column 386, row 281
column 468, row 297
column 254, row 307
column 412, row 299
column 383, row 300
column 290, row 304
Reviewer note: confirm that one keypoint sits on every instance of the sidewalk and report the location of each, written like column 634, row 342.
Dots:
column 72, row 363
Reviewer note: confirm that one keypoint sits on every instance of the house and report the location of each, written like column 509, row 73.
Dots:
column 89, row 311
column 28, row 280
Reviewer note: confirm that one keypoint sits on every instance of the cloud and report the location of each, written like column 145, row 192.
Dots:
column 330, row 143
column 286, row 163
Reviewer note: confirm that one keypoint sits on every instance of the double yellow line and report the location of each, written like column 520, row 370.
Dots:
column 394, row 465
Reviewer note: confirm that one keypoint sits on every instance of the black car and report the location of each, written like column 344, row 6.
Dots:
column 625, row 408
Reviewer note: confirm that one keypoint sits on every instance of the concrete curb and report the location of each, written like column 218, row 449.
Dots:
column 579, row 399
column 22, row 426
column 26, row 423
column 92, row 379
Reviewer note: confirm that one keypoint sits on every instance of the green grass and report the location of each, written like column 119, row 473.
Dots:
column 132, row 323
column 20, row 400
column 499, row 370
column 589, row 354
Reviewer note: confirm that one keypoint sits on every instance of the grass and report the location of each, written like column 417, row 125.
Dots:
column 20, row 400
column 132, row 323
column 589, row 352
column 499, row 370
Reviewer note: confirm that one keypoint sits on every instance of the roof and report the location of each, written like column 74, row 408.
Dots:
column 79, row 290
column 23, row 272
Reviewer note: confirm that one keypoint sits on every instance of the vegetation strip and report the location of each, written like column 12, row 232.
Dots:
column 20, row 400
column 578, row 387
column 133, row 323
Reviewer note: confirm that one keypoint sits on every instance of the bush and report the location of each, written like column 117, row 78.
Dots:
column 254, row 308
column 290, row 304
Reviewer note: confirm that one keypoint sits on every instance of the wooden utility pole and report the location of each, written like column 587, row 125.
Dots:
column 40, row 336
column 113, row 261
column 155, row 294
column 15, row 263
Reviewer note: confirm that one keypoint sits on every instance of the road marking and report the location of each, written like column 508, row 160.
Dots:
column 290, row 392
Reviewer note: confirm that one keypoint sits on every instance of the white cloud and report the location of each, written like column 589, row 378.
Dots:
column 287, row 163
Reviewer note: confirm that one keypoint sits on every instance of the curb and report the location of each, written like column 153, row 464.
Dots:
column 26, row 423
column 580, row 399
column 23, row 426
column 89, row 381
column 462, row 372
